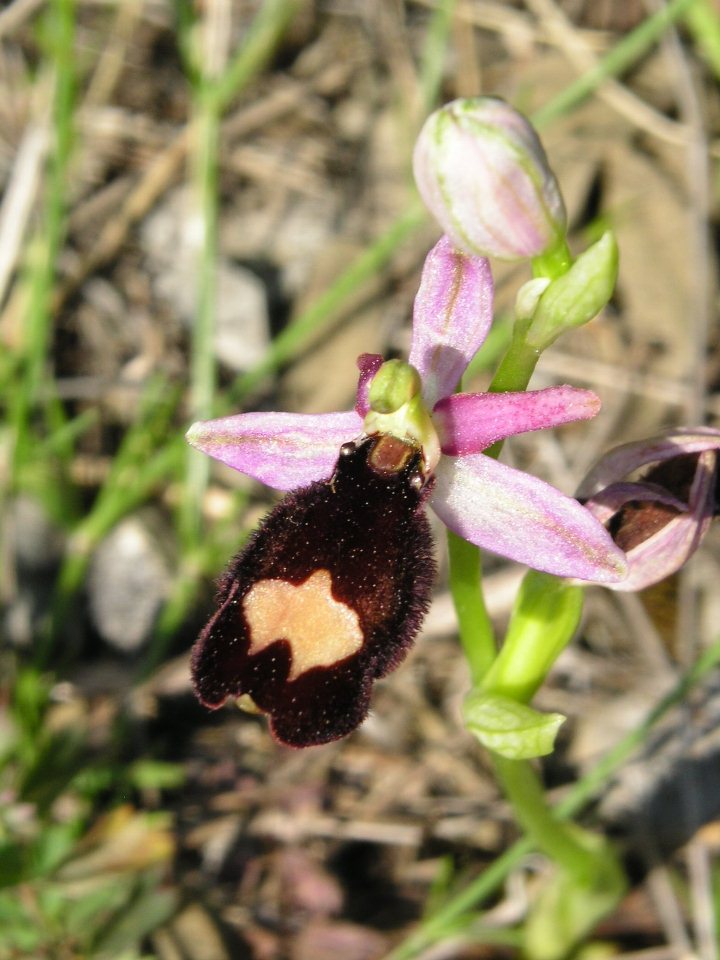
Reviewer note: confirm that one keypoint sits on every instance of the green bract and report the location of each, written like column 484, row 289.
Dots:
column 545, row 617
column 509, row 728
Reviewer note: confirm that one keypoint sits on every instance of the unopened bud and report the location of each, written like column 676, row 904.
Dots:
column 483, row 173
column 578, row 295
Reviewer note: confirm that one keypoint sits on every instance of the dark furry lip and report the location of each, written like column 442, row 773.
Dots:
column 327, row 596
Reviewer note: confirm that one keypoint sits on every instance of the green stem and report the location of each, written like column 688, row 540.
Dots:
column 202, row 350
column 516, row 367
column 703, row 23
column 554, row 262
column 47, row 244
column 434, row 52
column 476, row 630
column 623, row 55
column 525, row 792
column 261, row 40
column 211, row 99
column 476, row 634
column 449, row 917
column 63, row 26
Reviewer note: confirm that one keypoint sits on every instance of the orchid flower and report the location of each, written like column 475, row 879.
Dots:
column 331, row 590
column 496, row 507
column 660, row 519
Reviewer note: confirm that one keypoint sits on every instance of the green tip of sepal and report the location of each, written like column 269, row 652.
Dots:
column 509, row 728
column 578, row 295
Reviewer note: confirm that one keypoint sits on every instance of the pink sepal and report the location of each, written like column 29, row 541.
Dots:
column 282, row 450
column 672, row 546
column 518, row 516
column 451, row 318
column 623, row 460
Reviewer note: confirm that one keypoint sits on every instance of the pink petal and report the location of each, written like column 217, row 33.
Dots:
column 283, row 450
column 622, row 460
column 518, row 516
column 662, row 554
column 451, row 318
column 672, row 546
column 470, row 422
column 368, row 365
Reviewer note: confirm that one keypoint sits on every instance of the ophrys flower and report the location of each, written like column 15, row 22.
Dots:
column 331, row 590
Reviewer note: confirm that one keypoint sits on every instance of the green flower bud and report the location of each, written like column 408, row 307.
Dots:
column 577, row 296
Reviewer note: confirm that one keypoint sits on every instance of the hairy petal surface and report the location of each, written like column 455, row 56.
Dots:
column 451, row 318
column 468, row 423
column 518, row 516
column 282, row 450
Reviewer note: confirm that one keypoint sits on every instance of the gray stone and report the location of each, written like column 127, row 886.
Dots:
column 172, row 238
column 128, row 581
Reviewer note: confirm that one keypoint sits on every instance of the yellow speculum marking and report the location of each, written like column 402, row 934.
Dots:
column 318, row 628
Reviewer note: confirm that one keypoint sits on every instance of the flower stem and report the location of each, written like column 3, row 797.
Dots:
column 476, row 631
column 449, row 916
column 523, row 789
column 516, row 367
column 554, row 262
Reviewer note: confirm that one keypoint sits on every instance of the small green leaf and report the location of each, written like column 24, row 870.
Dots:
column 509, row 728
column 577, row 296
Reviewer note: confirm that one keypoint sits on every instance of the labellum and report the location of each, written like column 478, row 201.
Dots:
column 326, row 597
